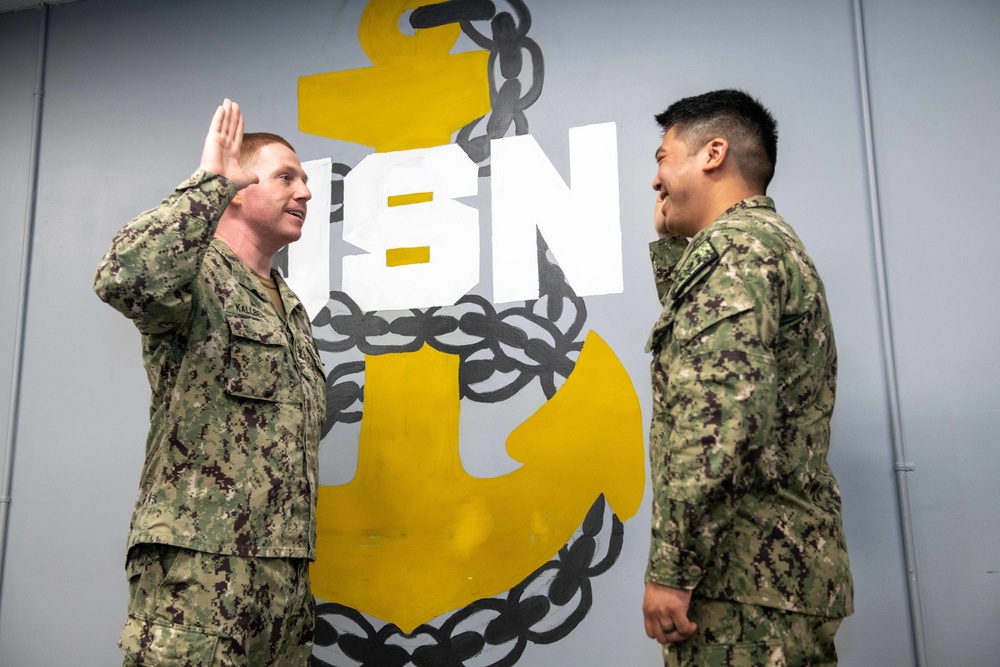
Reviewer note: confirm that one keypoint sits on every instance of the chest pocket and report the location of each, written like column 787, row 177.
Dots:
column 317, row 363
column 662, row 328
column 698, row 263
column 258, row 361
column 301, row 330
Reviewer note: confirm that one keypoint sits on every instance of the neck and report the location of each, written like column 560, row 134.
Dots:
column 724, row 196
column 244, row 245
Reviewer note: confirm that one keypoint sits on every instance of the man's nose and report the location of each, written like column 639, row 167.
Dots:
column 304, row 194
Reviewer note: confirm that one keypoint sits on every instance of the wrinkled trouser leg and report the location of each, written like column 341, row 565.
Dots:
column 193, row 609
column 731, row 634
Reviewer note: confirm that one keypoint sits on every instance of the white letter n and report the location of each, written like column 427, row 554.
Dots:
column 581, row 225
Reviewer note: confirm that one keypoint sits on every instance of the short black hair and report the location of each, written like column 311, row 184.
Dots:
column 738, row 118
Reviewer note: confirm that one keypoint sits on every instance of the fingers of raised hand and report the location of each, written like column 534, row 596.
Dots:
column 217, row 119
column 229, row 110
column 238, row 130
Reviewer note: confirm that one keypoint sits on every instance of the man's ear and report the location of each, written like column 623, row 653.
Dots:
column 715, row 153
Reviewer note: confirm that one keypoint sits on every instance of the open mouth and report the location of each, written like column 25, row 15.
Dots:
column 301, row 215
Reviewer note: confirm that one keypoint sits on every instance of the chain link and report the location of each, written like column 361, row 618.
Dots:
column 508, row 46
column 544, row 608
column 501, row 352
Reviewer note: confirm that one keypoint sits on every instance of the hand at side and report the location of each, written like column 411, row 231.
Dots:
column 665, row 610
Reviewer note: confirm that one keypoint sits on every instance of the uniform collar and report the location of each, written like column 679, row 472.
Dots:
column 246, row 277
column 757, row 201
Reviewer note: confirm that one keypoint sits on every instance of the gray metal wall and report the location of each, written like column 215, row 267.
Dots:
column 935, row 95
column 130, row 87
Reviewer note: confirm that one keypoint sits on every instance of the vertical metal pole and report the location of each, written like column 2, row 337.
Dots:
column 902, row 468
column 22, row 300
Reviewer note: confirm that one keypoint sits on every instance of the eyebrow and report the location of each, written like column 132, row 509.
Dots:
column 298, row 171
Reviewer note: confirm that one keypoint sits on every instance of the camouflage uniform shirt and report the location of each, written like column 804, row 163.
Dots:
column 744, row 373
column 238, row 395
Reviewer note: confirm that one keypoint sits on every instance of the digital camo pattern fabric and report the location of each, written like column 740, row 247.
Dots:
column 731, row 634
column 238, row 395
column 744, row 376
column 192, row 609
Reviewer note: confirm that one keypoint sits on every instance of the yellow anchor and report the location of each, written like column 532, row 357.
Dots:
column 413, row 536
column 416, row 94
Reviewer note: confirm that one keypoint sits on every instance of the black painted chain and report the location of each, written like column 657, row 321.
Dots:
column 496, row 344
column 544, row 608
column 501, row 352
column 508, row 44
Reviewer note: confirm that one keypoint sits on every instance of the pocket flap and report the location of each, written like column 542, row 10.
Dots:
column 697, row 317
column 148, row 642
column 255, row 329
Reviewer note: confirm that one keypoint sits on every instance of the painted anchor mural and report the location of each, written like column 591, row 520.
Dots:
column 413, row 520
column 413, row 535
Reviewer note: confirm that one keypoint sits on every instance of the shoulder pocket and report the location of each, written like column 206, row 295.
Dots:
column 257, row 363
column 696, row 266
column 700, row 316
column 699, row 309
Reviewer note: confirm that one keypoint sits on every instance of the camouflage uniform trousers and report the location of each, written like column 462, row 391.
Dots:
column 731, row 634
column 193, row 609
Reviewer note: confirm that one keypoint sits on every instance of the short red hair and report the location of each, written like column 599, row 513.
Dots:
column 254, row 141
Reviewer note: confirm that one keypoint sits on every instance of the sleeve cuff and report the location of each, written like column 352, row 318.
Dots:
column 214, row 189
column 666, row 252
column 209, row 182
column 672, row 567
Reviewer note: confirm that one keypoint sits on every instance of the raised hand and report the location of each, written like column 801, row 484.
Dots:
column 221, row 154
